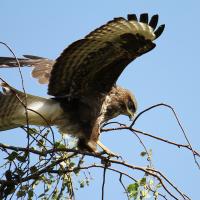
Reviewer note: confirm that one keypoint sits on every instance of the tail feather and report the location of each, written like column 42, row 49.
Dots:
column 13, row 109
column 41, row 66
column 28, row 61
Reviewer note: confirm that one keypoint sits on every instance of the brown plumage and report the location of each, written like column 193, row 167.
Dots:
column 82, row 80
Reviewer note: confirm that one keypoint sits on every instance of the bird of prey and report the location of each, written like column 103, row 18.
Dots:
column 82, row 81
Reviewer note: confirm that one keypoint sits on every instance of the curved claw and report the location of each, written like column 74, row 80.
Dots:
column 106, row 150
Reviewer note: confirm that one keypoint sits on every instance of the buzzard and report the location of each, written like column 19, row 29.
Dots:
column 82, row 81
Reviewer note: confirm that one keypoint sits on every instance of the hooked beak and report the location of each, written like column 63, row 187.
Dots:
column 131, row 117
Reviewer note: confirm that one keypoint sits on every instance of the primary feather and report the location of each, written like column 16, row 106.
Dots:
column 83, row 80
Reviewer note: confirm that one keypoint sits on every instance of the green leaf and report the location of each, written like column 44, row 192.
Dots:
column 143, row 153
column 59, row 145
column 35, row 183
column 143, row 181
column 12, row 156
column 32, row 148
column 156, row 195
column 158, row 186
column 20, row 172
column 30, row 194
column 87, row 182
column 41, row 143
column 21, row 158
column 55, row 194
column 133, row 190
column 24, row 187
column 150, row 154
column 32, row 131
column 21, row 193
column 133, row 187
column 71, row 164
column 82, row 184
column 33, row 169
column 144, row 193
column 151, row 182
column 76, row 171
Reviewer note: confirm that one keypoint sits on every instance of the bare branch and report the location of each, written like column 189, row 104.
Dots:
column 149, row 171
column 103, row 183
column 178, row 121
column 54, row 156
column 152, row 136
column 120, row 180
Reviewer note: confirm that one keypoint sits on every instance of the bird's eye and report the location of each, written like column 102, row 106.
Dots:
column 131, row 106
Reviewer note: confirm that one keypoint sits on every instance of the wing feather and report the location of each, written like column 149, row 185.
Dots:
column 92, row 65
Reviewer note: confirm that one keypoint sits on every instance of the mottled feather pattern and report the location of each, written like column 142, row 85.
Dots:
column 120, row 26
column 77, row 70
column 12, row 112
column 81, row 69
column 9, row 106
column 78, row 63
column 83, row 80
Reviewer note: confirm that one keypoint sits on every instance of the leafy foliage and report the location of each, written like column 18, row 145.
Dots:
column 33, row 168
column 50, row 167
column 144, row 188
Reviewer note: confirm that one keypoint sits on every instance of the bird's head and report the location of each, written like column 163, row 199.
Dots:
column 122, row 102
column 130, row 105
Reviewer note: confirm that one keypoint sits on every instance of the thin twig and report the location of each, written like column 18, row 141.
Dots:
column 178, row 121
column 149, row 171
column 167, row 141
column 125, row 190
column 101, row 166
column 24, row 91
column 50, row 168
column 103, row 183
column 117, row 123
column 145, row 149
column 152, row 136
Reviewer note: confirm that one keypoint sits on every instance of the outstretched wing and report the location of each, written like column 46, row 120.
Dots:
column 41, row 66
column 91, row 66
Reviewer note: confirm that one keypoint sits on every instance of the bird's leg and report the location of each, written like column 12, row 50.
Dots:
column 106, row 150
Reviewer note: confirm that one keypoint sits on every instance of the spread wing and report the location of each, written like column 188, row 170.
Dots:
column 92, row 65
column 41, row 66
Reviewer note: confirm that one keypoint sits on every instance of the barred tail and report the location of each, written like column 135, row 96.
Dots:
column 13, row 111
column 8, row 112
column 28, row 61
column 41, row 66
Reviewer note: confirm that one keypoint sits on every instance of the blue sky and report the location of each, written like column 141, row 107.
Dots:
column 170, row 74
